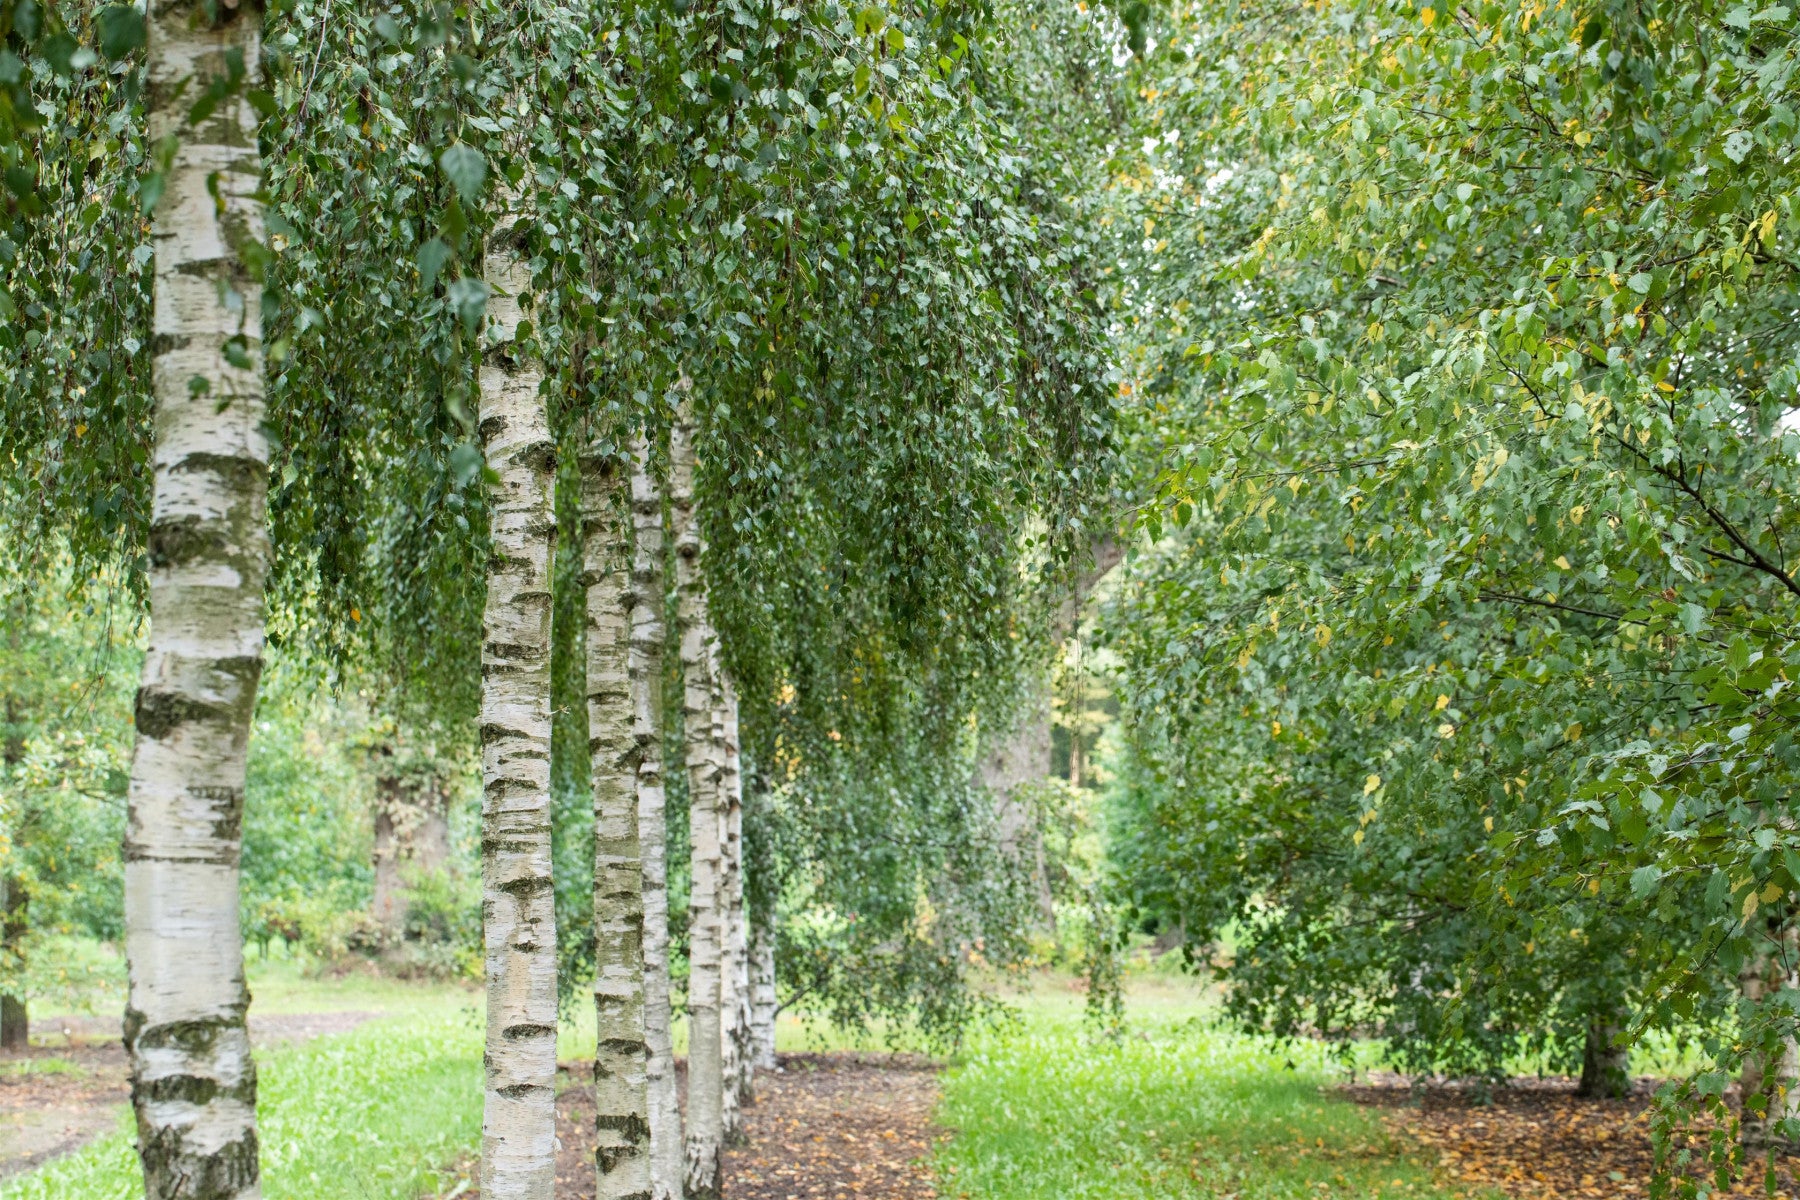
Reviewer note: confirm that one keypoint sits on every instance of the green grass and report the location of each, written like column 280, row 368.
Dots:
column 373, row 1114
column 1177, row 1108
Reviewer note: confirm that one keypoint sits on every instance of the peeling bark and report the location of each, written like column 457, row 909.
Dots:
column 705, row 1108
column 193, row 1082
column 646, row 669
column 518, row 1128
column 621, row 1087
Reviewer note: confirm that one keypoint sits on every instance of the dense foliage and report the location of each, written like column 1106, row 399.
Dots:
column 1466, row 341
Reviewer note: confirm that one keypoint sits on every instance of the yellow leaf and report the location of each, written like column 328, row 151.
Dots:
column 1562, row 560
column 1370, row 784
column 1357, row 837
column 1488, row 824
column 1750, row 903
column 1771, row 893
column 1275, row 729
column 1446, row 730
column 1322, row 635
column 1663, row 385
column 356, row 614
column 1427, row 16
column 1443, row 702
column 1573, row 733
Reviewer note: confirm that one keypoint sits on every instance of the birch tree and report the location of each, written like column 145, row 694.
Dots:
column 646, row 671
column 730, row 904
column 621, row 1086
column 193, row 1083
column 763, row 1004
column 705, row 1109
column 518, row 1133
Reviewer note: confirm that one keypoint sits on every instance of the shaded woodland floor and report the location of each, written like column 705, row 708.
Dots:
column 1538, row 1140
column 825, row 1127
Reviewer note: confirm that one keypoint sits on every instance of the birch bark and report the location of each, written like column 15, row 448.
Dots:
column 621, row 1088
column 518, row 1128
column 705, row 1108
column 646, row 667
column 1775, row 1079
column 193, row 1083
column 732, row 949
column 763, row 1005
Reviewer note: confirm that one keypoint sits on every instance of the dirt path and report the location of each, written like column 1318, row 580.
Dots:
column 1537, row 1140
column 71, row 1086
column 826, row 1127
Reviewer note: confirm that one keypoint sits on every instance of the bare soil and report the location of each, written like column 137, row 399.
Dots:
column 71, row 1086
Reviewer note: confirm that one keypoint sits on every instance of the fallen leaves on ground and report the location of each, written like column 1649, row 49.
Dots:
column 1537, row 1140
column 824, row 1127
column 838, row 1127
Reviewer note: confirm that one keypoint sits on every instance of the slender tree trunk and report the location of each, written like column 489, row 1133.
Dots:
column 15, row 1026
column 193, row 1082
column 388, row 903
column 15, row 1022
column 621, row 1089
column 763, row 1004
column 518, row 1129
column 733, row 981
column 1770, row 1085
column 412, row 838
column 646, row 668
column 1605, row 1068
column 705, row 1108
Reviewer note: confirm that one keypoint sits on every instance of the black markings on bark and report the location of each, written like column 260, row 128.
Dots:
column 170, row 1173
column 518, row 1091
column 158, row 712
column 179, row 542
column 243, row 472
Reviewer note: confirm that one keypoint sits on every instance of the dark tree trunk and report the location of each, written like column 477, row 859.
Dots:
column 15, row 1025
column 1605, row 1068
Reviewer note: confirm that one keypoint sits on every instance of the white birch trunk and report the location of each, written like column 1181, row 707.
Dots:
column 1778, row 1078
column 621, row 1087
column 705, row 1108
column 731, row 947
column 193, row 1083
column 646, row 662
column 763, row 1005
column 518, row 1128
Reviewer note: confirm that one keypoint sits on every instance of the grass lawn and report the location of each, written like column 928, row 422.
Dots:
column 1176, row 1108
column 367, row 1115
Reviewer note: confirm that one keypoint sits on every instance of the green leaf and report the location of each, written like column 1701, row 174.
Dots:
column 432, row 257
column 59, row 51
column 121, row 29
column 468, row 299
column 1645, row 881
column 466, row 169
